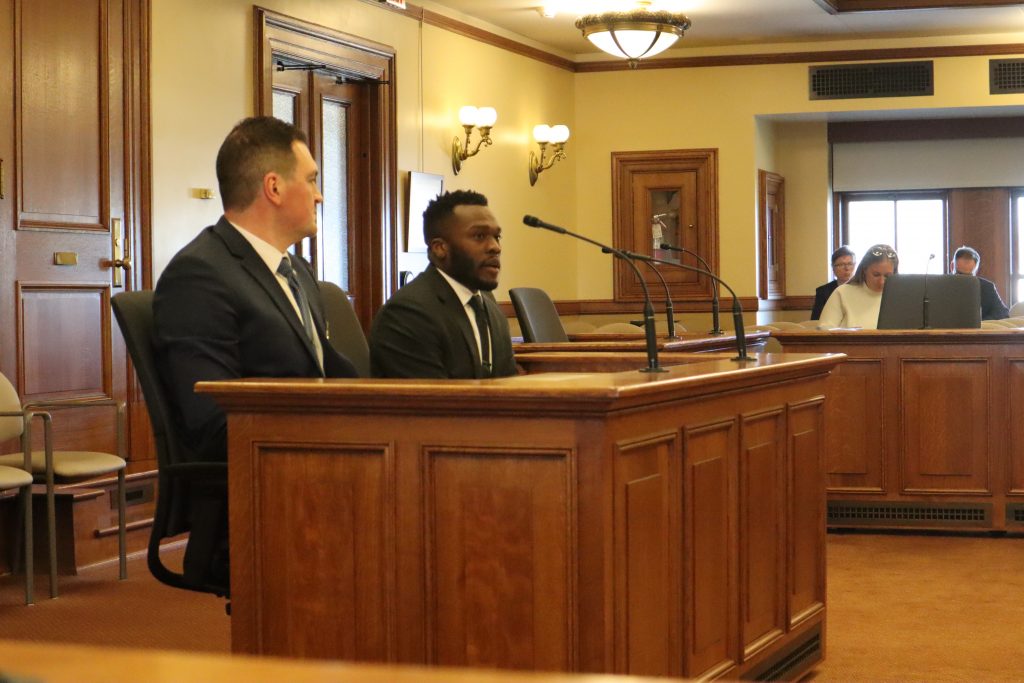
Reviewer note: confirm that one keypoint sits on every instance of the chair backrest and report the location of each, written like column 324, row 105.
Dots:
column 346, row 334
column 538, row 318
column 134, row 314
column 11, row 427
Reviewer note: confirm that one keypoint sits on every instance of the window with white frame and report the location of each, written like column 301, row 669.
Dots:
column 912, row 223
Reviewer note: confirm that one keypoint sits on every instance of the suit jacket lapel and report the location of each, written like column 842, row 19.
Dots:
column 254, row 265
column 449, row 299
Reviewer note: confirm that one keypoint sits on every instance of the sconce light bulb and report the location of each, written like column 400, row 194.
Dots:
column 468, row 116
column 486, row 116
column 559, row 133
column 542, row 133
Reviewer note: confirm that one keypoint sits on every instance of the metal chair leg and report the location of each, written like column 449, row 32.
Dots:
column 121, row 531
column 26, row 508
column 51, row 531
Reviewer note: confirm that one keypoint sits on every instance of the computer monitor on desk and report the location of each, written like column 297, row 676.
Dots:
column 953, row 302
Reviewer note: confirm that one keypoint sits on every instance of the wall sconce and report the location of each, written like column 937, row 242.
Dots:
column 472, row 117
column 545, row 134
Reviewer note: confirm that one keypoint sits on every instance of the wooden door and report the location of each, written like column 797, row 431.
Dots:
column 65, row 197
column 771, row 204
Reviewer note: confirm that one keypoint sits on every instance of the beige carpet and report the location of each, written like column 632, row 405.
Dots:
column 901, row 608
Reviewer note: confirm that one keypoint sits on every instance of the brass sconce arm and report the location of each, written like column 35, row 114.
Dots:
column 540, row 164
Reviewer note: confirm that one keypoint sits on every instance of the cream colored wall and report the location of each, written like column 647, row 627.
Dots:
column 202, row 84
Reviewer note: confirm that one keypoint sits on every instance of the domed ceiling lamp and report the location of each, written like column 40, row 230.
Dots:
column 634, row 34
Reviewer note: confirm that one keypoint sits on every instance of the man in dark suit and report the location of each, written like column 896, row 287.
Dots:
column 965, row 262
column 844, row 262
column 445, row 323
column 233, row 303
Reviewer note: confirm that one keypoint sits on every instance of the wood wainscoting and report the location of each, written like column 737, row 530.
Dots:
column 616, row 522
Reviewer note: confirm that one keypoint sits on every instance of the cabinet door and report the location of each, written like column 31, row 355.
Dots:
column 63, row 110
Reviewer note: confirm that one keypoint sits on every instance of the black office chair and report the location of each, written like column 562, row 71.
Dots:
column 538, row 318
column 177, row 469
column 344, row 331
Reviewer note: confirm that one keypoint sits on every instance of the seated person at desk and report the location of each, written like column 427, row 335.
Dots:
column 233, row 303
column 843, row 261
column 445, row 324
column 856, row 303
column 965, row 262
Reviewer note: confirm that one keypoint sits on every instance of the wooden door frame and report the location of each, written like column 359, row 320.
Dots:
column 359, row 59
column 769, row 183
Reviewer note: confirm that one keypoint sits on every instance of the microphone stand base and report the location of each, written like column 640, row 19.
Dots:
column 657, row 369
column 716, row 333
column 741, row 359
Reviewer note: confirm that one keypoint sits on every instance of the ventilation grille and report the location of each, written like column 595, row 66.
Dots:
column 1015, row 513
column 1005, row 76
column 794, row 660
column 891, row 79
column 908, row 514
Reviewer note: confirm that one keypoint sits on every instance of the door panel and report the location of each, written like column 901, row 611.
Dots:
column 66, row 188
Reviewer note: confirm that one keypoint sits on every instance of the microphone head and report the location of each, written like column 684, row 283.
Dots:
column 664, row 245
column 532, row 221
column 606, row 250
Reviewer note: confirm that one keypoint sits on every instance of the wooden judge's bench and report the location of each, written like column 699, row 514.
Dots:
column 621, row 522
column 924, row 427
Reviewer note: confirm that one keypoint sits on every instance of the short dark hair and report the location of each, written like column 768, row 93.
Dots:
column 441, row 208
column 874, row 254
column 841, row 252
column 968, row 252
column 254, row 147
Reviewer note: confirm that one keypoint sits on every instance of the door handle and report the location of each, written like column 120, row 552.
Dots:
column 121, row 261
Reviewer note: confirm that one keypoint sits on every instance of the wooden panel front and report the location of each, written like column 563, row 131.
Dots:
column 856, row 425
column 709, row 550
column 499, row 540
column 945, row 426
column 63, row 114
column 806, row 511
column 1015, row 433
column 320, row 511
column 762, row 495
column 647, row 632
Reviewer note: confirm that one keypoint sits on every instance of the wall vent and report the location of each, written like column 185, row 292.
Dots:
column 794, row 660
column 1005, row 76
column 846, row 513
column 1015, row 513
column 888, row 79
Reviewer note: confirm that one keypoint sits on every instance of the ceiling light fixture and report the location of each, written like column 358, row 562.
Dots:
column 634, row 34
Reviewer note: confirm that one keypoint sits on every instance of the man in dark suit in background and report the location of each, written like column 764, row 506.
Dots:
column 844, row 261
column 233, row 303
column 965, row 262
column 445, row 323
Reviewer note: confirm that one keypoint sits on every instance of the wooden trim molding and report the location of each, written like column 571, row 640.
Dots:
column 789, row 303
column 926, row 129
column 846, row 6
column 750, row 304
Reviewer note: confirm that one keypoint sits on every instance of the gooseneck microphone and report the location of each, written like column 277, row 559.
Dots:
column 670, row 312
column 737, row 309
column 925, row 301
column 714, row 288
column 652, row 342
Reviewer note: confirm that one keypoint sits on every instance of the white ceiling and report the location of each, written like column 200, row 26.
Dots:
column 717, row 23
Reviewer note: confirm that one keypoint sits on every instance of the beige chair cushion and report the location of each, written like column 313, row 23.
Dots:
column 13, row 477
column 69, row 464
column 620, row 328
column 10, row 427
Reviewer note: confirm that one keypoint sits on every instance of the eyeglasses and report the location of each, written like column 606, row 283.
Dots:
column 883, row 251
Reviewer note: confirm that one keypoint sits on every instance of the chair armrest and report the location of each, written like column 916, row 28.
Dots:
column 34, row 408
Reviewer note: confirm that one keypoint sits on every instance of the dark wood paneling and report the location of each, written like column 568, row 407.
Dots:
column 762, row 495
column 980, row 218
column 926, row 129
column 841, row 6
column 647, row 639
column 749, row 304
column 498, row 548
column 53, row 319
column 944, row 425
column 806, row 511
column 62, row 112
column 856, row 425
column 348, row 546
column 709, row 538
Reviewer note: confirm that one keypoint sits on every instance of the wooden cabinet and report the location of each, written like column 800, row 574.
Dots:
column 615, row 522
column 922, row 431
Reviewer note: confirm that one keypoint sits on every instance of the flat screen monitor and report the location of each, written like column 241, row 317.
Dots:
column 954, row 302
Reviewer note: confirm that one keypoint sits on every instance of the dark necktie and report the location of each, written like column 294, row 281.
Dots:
column 300, row 297
column 485, row 338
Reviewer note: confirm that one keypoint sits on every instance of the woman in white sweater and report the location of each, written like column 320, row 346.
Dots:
column 856, row 303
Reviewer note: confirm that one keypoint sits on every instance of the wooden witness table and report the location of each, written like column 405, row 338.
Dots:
column 924, row 429
column 668, row 524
